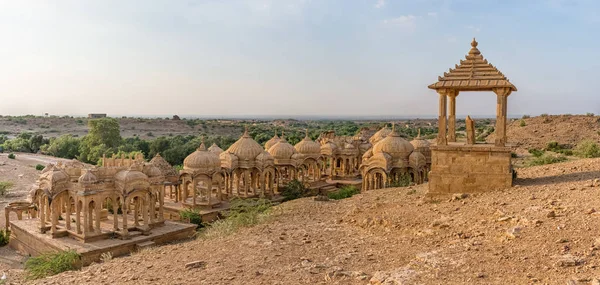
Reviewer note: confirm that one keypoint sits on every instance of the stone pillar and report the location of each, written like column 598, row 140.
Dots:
column 502, row 96
column 470, row 130
column 78, row 216
column 55, row 210
column 68, row 213
column 115, row 209
column 86, row 221
column 441, row 139
column 125, row 209
column 452, row 115
column 97, row 207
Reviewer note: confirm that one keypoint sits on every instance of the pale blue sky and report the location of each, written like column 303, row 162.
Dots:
column 291, row 57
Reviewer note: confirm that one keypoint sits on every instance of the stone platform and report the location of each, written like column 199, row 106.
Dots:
column 461, row 168
column 27, row 238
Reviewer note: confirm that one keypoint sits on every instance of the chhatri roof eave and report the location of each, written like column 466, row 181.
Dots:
column 474, row 73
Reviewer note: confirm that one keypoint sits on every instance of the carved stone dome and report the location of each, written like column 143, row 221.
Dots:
column 379, row 135
column 271, row 142
column 308, row 146
column 153, row 171
column 130, row 176
column 214, row 148
column 201, row 159
column 394, row 145
column 282, row 150
column 419, row 143
column 88, row 178
column 328, row 148
column 416, row 160
column 245, row 148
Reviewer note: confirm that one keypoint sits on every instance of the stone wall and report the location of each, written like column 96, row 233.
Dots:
column 469, row 168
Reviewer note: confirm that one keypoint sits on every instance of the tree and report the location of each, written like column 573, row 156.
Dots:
column 65, row 146
column 103, row 138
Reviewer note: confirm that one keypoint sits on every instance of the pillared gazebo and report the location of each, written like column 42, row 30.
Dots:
column 470, row 167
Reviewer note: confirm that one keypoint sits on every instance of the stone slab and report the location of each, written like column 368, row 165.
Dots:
column 26, row 238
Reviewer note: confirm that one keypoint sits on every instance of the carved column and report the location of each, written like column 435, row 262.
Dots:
column 502, row 96
column 452, row 115
column 97, row 218
column 441, row 139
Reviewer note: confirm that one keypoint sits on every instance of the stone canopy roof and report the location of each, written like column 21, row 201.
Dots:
column 474, row 73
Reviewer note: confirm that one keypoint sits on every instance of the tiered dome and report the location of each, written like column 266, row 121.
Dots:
column 282, row 149
column 275, row 139
column 201, row 159
column 308, row 146
column 394, row 145
column 245, row 148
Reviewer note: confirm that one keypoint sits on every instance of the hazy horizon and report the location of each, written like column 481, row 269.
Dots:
column 311, row 58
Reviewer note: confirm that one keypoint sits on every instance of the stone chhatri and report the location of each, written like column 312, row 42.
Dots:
column 474, row 73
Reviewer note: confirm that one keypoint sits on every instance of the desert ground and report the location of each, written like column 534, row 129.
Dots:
column 544, row 230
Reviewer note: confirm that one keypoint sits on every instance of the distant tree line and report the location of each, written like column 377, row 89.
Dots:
column 104, row 138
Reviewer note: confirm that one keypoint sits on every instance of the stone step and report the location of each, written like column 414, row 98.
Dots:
column 145, row 244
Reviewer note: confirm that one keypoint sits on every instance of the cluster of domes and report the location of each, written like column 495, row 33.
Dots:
column 394, row 145
column 202, row 160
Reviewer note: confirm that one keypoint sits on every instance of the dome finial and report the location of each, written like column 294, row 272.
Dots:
column 306, row 133
column 419, row 133
column 474, row 43
column 246, row 135
column 282, row 135
column 202, row 147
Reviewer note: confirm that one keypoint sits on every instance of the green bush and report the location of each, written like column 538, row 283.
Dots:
column 587, row 148
column 293, row 190
column 12, row 155
column 39, row 167
column 4, row 237
column 49, row 264
column 4, row 186
column 343, row 193
column 192, row 216
column 513, row 155
column 526, row 116
column 403, row 181
column 536, row 152
column 546, row 159
column 522, row 123
column 242, row 213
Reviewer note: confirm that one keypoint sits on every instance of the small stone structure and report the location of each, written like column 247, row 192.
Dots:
column 456, row 167
column 96, row 116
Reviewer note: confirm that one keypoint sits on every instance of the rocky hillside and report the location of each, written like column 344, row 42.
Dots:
column 536, row 132
column 544, row 230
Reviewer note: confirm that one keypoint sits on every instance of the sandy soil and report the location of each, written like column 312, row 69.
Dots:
column 544, row 231
column 564, row 129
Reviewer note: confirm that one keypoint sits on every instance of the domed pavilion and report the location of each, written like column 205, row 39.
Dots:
column 202, row 179
column 390, row 161
column 249, row 169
